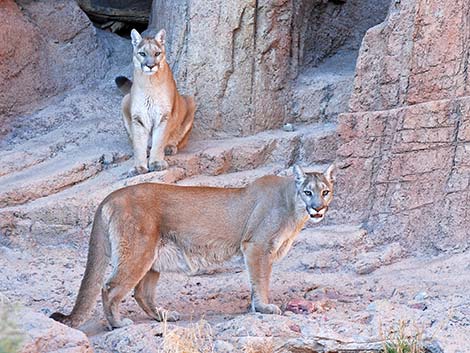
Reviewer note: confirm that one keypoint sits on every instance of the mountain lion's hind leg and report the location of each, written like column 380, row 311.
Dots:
column 128, row 273
column 259, row 266
column 145, row 295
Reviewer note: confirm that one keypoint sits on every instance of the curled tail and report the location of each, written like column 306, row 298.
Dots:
column 124, row 84
column 93, row 278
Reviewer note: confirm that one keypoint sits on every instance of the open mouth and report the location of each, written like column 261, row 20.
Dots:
column 317, row 215
column 149, row 70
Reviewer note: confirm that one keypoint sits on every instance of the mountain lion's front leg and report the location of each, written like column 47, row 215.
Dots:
column 259, row 266
column 140, row 136
column 157, row 152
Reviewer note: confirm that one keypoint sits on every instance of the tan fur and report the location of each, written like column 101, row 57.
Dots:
column 151, row 228
column 153, row 110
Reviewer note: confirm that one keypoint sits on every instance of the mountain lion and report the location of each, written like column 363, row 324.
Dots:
column 152, row 107
column 151, row 228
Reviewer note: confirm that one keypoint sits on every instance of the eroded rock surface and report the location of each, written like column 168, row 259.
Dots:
column 404, row 149
column 240, row 58
column 47, row 47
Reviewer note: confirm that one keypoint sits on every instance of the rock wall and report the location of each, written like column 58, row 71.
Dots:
column 321, row 28
column 405, row 147
column 239, row 58
column 234, row 56
column 47, row 47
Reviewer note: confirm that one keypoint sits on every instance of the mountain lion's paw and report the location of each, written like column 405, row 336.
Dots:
column 158, row 166
column 137, row 171
column 171, row 150
column 122, row 323
column 268, row 309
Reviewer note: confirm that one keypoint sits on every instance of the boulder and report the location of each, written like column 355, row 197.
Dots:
column 25, row 331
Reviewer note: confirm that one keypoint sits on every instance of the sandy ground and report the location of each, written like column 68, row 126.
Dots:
column 429, row 293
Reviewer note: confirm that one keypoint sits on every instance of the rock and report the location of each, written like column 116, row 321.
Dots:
column 402, row 148
column 39, row 334
column 288, row 127
column 133, row 338
column 242, row 84
column 298, row 306
column 367, row 263
column 223, row 347
column 421, row 296
column 401, row 164
column 372, row 260
column 411, row 74
column 418, row 305
column 48, row 48
column 434, row 347
column 130, row 11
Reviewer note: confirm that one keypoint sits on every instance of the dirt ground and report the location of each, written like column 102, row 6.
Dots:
column 430, row 294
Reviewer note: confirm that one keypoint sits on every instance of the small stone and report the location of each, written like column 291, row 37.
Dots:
column 295, row 328
column 421, row 296
column 288, row 127
column 418, row 306
column 299, row 306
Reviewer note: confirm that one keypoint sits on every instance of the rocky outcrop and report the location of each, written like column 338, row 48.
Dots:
column 240, row 58
column 404, row 149
column 131, row 11
column 47, row 48
column 419, row 54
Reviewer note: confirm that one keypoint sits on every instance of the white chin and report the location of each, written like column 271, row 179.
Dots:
column 316, row 219
column 148, row 71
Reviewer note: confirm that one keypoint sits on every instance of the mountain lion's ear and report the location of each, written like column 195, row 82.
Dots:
column 330, row 173
column 160, row 37
column 136, row 38
column 299, row 175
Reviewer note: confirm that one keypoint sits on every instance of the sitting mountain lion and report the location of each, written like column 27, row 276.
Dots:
column 152, row 107
column 151, row 228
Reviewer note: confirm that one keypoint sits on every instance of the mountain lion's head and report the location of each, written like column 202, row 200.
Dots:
column 316, row 191
column 149, row 50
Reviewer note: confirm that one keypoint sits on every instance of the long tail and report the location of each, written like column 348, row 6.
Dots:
column 191, row 106
column 92, row 282
column 124, row 84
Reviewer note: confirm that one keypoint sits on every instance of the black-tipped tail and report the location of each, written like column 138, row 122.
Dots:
column 64, row 319
column 124, row 84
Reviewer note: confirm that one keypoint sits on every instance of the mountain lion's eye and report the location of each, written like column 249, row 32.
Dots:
column 157, row 54
column 308, row 193
column 325, row 193
column 141, row 53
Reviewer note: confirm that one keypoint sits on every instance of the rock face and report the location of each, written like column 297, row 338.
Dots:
column 403, row 158
column 405, row 146
column 419, row 54
column 133, row 11
column 47, row 47
column 239, row 58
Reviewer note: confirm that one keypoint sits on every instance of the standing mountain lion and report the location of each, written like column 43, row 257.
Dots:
column 151, row 228
column 152, row 107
